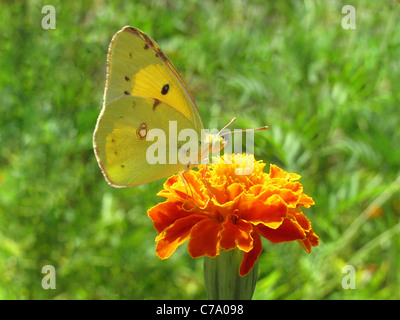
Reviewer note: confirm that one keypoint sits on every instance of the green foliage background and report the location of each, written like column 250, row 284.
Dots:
column 331, row 99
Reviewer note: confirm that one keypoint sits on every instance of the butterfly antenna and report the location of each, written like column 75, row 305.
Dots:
column 230, row 122
column 246, row 130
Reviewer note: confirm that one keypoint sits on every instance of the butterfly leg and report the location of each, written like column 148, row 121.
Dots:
column 185, row 182
column 204, row 178
column 181, row 174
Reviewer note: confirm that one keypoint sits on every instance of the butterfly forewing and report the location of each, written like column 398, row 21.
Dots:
column 138, row 67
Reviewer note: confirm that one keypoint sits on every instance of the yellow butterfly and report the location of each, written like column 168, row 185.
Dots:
column 143, row 91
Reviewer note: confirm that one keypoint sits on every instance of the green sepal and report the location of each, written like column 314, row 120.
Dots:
column 222, row 279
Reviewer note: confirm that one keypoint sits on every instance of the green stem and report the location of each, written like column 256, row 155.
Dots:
column 222, row 279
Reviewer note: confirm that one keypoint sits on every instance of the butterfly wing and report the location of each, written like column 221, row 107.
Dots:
column 143, row 91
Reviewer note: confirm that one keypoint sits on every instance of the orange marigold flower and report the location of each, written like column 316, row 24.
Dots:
column 232, row 211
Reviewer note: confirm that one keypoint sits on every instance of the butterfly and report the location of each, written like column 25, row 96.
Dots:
column 144, row 91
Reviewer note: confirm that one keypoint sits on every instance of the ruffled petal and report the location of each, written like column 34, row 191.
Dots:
column 176, row 234
column 289, row 230
column 234, row 190
column 276, row 172
column 310, row 241
column 236, row 233
column 301, row 219
column 166, row 213
column 204, row 238
column 288, row 196
column 190, row 190
column 306, row 201
column 269, row 213
column 250, row 258
column 219, row 192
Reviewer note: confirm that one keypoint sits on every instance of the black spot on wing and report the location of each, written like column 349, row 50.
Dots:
column 156, row 103
column 145, row 37
column 165, row 89
column 148, row 43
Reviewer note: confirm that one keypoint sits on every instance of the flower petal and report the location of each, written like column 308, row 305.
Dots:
column 276, row 172
column 311, row 240
column 219, row 193
column 176, row 234
column 306, row 201
column 285, row 191
column 269, row 213
column 250, row 258
column 190, row 187
column 234, row 190
column 301, row 219
column 289, row 230
column 204, row 238
column 236, row 233
column 166, row 213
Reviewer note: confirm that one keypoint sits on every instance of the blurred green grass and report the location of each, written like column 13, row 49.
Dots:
column 331, row 99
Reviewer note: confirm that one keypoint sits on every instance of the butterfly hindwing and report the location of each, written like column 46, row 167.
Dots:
column 122, row 145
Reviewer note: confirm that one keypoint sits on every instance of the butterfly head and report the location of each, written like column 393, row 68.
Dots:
column 213, row 143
